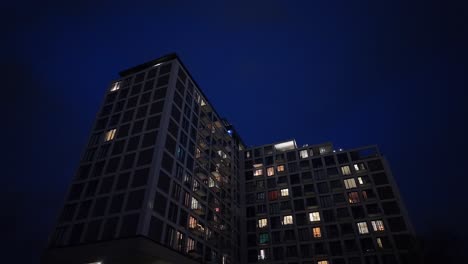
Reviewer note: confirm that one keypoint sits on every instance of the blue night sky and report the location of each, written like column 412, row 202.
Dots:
column 355, row 73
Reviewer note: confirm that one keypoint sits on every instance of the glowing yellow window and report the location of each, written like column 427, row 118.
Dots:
column 258, row 172
column 378, row 225
column 110, row 135
column 115, row 87
column 314, row 217
column 280, row 168
column 262, row 222
column 316, row 232
column 284, row 192
column 270, row 171
column 346, row 170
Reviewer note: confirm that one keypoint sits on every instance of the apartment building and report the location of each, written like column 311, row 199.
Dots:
column 165, row 179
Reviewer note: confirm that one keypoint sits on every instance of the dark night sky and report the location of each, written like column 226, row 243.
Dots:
column 389, row 73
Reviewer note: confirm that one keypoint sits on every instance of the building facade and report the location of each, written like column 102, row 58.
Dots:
column 165, row 179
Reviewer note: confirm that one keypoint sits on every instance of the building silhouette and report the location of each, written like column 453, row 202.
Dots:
column 165, row 179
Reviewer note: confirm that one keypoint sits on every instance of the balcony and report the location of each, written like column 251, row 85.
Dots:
column 197, row 230
column 201, row 173
column 200, row 192
column 203, row 144
column 199, row 210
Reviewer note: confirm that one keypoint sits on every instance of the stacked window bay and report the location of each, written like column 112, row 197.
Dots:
column 160, row 164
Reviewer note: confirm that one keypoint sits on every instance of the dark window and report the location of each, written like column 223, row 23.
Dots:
column 163, row 182
column 164, row 80
column 156, row 107
column 155, row 230
column 122, row 181
column 129, row 225
column 167, row 162
column 91, row 188
column 116, row 204
column 128, row 116
column 175, row 113
column 128, row 161
column 385, row 193
column 170, row 144
column 358, row 212
column 133, row 143
column 145, row 157
column 84, row 209
column 291, row 156
column 132, row 102
column 83, row 172
column 149, row 139
column 137, row 127
column 390, row 208
column 375, row 165
column 153, row 122
column 149, row 85
column 98, row 168
column 123, row 131
column 113, row 165
column 100, row 206
column 118, row 147
column 172, row 212
column 396, row 224
column 342, row 158
column 159, row 94
column 380, row 178
column 135, row 200
column 76, row 233
column 140, row 178
column 110, row 228
column 92, row 231
column 76, row 191
column 183, row 218
column 68, row 212
column 160, row 203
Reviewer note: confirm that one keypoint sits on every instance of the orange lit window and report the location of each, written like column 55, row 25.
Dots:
column 317, row 232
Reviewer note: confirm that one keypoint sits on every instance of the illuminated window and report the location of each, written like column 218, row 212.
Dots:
column 115, row 87
column 322, row 262
column 303, row 154
column 378, row 225
column 270, row 171
column 379, row 242
column 314, row 217
column 287, row 220
column 350, row 183
column 359, row 167
column 322, row 150
column 109, row 135
column 195, row 204
column 362, row 227
column 190, row 244
column 258, row 172
column 353, row 197
column 284, row 192
column 247, row 154
column 345, row 170
column 192, row 222
column 360, row 180
column 263, row 238
column 316, row 232
column 262, row 222
column 280, row 168
column 262, row 254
